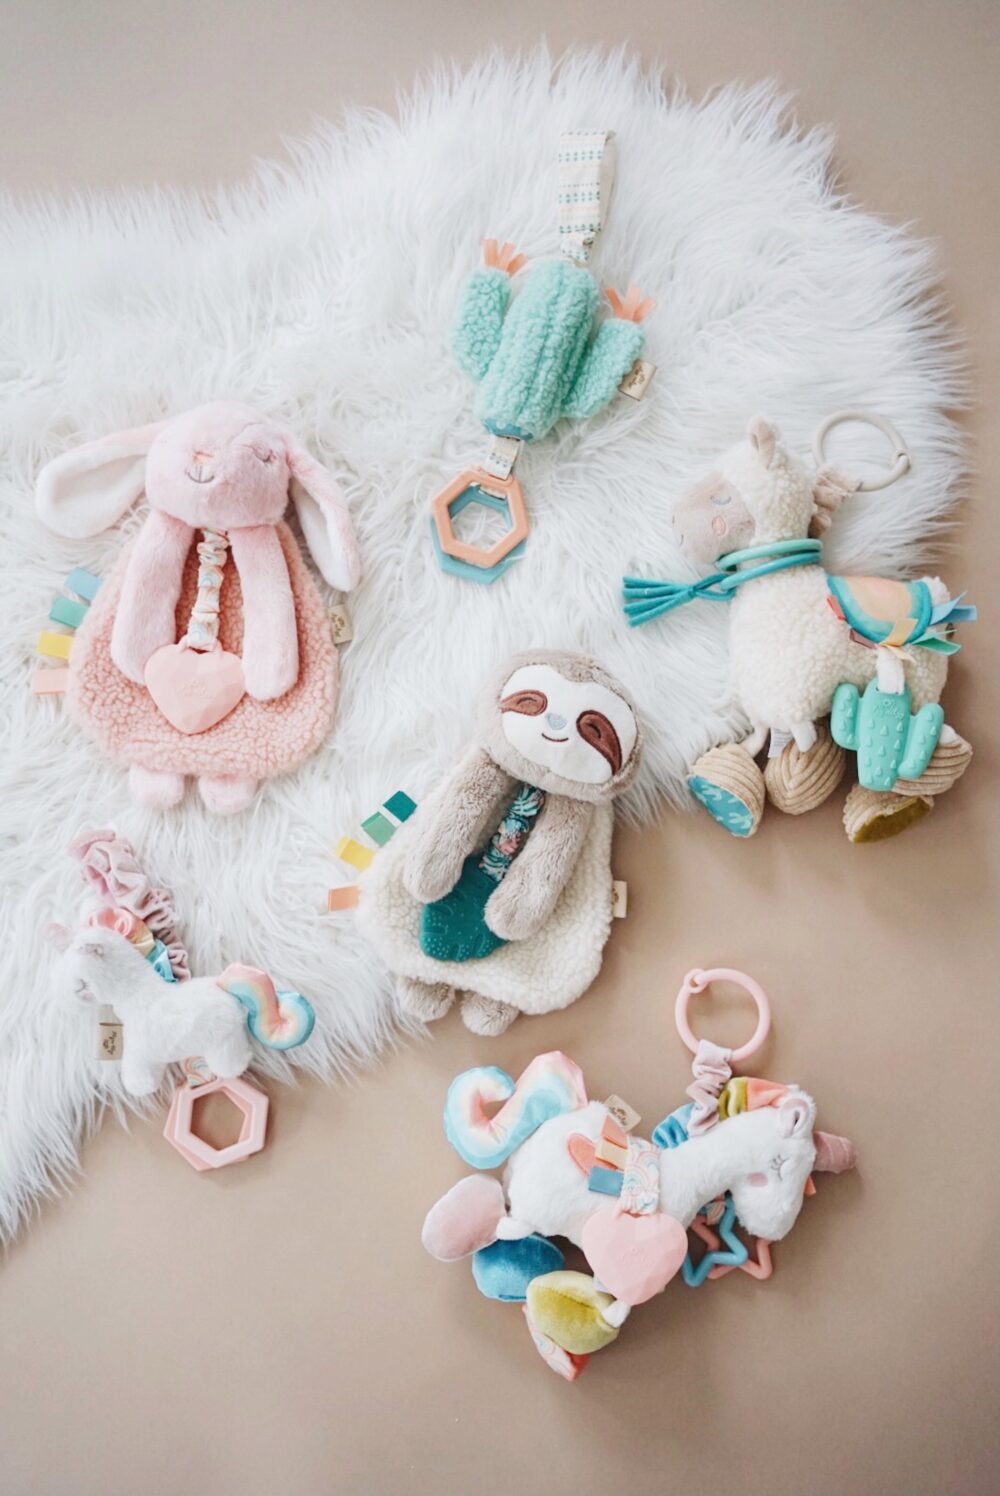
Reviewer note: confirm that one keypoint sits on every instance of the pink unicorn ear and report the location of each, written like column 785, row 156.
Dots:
column 796, row 1114
column 325, row 521
column 84, row 491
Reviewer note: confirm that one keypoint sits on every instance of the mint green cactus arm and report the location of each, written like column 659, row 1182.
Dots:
column 604, row 365
column 478, row 325
column 844, row 715
column 921, row 740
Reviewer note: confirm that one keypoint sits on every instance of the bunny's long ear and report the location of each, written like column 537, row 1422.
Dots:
column 325, row 521
column 84, row 491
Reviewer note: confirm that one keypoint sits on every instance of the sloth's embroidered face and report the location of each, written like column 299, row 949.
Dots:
column 578, row 729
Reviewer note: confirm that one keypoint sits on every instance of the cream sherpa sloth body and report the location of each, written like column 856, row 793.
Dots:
column 524, row 825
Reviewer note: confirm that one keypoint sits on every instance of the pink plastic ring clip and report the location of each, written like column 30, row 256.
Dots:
column 697, row 981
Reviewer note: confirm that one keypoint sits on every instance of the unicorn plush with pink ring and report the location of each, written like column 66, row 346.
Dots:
column 167, row 1021
column 741, row 1151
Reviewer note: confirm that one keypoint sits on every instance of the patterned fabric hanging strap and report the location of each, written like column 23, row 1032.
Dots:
column 203, row 625
column 586, row 162
column 509, row 837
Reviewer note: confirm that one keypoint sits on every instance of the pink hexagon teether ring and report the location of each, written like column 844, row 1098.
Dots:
column 697, row 981
column 201, row 1155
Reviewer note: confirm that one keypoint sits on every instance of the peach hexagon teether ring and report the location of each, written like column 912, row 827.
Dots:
column 200, row 1155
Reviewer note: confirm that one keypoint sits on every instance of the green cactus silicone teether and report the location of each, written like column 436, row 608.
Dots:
column 539, row 357
column 889, row 742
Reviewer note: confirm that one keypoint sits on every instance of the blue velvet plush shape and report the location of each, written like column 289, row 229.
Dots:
column 504, row 1269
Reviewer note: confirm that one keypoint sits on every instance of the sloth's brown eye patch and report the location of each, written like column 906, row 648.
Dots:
column 527, row 703
column 596, row 730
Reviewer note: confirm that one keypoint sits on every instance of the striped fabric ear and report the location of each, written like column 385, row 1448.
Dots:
column 82, row 492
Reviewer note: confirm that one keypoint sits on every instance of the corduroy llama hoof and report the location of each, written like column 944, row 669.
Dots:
column 875, row 815
column 729, row 784
column 797, row 782
column 946, row 767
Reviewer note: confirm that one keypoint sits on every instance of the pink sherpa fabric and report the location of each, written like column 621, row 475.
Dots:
column 257, row 740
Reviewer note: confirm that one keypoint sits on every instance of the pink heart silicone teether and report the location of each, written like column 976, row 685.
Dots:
column 634, row 1256
column 194, row 689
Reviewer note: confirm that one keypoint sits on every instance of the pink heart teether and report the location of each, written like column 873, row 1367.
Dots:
column 194, row 689
column 634, row 1256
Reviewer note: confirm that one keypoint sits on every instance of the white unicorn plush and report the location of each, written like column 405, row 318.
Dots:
column 167, row 1021
column 797, row 635
column 557, row 1146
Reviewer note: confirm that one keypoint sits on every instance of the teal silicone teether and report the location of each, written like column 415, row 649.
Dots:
column 890, row 743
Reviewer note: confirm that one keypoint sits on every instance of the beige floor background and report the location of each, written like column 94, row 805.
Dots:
column 277, row 1327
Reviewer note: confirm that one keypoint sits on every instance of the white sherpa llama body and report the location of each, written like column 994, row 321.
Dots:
column 789, row 651
column 546, row 971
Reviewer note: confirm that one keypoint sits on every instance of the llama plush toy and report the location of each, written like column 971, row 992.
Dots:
column 184, row 665
column 499, row 889
column 804, row 644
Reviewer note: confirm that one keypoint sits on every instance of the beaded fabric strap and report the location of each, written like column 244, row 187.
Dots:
column 508, row 839
column 586, row 163
column 203, row 625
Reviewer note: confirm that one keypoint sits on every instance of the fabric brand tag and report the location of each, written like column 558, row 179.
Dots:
column 626, row 1116
column 340, row 623
column 502, row 455
column 619, row 899
column 110, row 1033
column 638, row 379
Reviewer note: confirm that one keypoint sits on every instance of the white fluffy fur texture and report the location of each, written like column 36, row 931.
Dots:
column 322, row 291
column 547, row 1193
column 546, row 971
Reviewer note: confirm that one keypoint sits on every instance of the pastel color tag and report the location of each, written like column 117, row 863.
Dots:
column 619, row 899
column 56, row 646
column 48, row 682
column 400, row 805
column 68, row 611
column 110, row 1033
column 353, row 852
column 345, row 897
column 638, row 379
column 194, row 689
column 634, row 1257
column 83, row 583
column 378, row 828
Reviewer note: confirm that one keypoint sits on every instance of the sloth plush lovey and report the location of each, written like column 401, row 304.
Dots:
column 499, row 887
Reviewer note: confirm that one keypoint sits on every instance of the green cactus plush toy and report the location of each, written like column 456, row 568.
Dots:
column 538, row 356
column 890, row 743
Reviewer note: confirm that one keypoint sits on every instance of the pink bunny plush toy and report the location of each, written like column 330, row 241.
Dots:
column 186, row 664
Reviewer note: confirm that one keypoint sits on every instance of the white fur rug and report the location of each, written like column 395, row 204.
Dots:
column 323, row 289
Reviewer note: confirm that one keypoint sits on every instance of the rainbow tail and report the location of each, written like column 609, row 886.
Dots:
column 281, row 1020
column 551, row 1085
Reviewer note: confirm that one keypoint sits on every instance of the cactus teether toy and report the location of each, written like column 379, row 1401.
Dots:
column 537, row 358
column 890, row 743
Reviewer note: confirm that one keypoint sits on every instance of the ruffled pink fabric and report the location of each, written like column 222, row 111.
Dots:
column 711, row 1072
column 109, row 862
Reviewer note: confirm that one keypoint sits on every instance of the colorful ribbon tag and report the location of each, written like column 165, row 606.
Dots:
column 586, row 169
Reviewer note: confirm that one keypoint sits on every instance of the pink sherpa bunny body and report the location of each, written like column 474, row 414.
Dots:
column 221, row 470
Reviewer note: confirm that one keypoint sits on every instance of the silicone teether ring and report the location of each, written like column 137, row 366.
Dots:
column 901, row 457
column 697, row 981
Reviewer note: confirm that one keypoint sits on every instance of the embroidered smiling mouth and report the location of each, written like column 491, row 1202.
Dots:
column 554, row 740
column 199, row 475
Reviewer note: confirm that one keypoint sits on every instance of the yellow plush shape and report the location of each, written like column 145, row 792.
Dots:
column 566, row 1307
